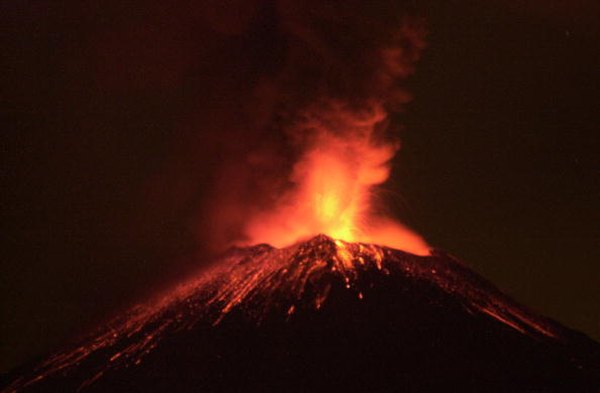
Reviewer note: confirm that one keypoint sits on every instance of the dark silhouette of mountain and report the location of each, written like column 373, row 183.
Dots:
column 325, row 315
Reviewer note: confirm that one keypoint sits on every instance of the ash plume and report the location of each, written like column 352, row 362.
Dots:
column 268, row 95
column 320, row 103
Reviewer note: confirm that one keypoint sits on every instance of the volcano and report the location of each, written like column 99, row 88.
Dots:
column 325, row 315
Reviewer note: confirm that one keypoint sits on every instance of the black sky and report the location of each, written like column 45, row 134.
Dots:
column 104, row 170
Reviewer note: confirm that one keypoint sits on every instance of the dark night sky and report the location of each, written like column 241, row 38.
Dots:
column 499, row 164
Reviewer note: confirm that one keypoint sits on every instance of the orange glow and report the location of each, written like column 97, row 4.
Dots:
column 334, row 184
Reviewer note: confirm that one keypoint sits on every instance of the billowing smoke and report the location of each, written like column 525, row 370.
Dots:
column 317, row 135
column 279, row 110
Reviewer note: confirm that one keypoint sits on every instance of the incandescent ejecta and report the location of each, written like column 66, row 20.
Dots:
column 317, row 286
column 325, row 315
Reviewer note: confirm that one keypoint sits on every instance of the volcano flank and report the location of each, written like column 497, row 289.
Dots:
column 325, row 315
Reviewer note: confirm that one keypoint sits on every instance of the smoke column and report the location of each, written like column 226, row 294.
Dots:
column 321, row 139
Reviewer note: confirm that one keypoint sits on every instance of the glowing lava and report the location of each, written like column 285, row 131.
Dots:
column 263, row 284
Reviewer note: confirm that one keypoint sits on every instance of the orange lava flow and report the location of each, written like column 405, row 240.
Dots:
column 335, row 185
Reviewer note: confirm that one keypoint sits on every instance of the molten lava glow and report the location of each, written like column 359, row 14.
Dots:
column 334, row 184
column 262, row 283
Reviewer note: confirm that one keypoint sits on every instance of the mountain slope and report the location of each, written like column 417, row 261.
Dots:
column 326, row 315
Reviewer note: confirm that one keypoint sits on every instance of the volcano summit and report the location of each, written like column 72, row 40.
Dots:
column 326, row 315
